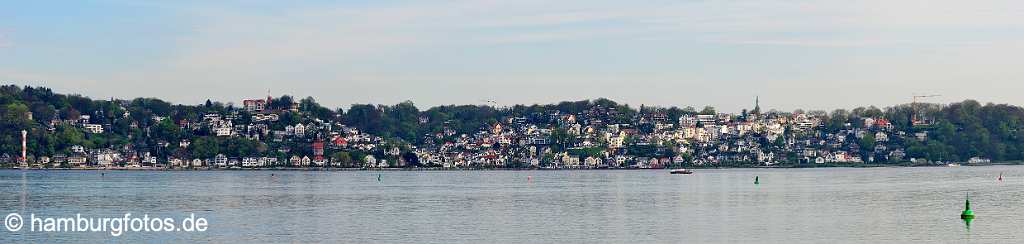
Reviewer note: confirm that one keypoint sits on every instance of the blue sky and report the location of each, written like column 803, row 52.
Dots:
column 817, row 54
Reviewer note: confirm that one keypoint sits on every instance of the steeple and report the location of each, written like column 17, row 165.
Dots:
column 757, row 105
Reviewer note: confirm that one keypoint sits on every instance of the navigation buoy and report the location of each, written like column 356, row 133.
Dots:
column 529, row 179
column 1000, row 176
column 967, row 214
column 378, row 177
column 757, row 180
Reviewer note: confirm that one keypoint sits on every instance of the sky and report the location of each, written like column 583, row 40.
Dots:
column 815, row 54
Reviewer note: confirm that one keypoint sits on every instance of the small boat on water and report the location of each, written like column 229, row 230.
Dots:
column 953, row 165
column 680, row 172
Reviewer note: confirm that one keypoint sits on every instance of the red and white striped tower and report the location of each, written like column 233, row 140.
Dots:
column 24, row 146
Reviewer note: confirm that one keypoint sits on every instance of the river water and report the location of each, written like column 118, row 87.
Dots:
column 834, row 205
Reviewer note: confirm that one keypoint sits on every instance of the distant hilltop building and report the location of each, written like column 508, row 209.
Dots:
column 254, row 105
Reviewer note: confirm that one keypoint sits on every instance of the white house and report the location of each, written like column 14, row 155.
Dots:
column 300, row 130
column 174, row 162
column 223, row 131
column 220, row 160
column 370, row 161
column 592, row 162
column 76, row 161
column 93, row 128
column 250, row 162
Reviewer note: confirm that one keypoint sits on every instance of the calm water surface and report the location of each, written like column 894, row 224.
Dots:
column 837, row 205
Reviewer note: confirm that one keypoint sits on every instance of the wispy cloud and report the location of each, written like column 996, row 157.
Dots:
column 233, row 49
column 339, row 34
column 811, row 43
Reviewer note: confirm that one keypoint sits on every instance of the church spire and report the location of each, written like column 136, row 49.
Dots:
column 757, row 105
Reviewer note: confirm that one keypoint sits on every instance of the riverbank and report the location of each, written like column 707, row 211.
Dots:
column 725, row 166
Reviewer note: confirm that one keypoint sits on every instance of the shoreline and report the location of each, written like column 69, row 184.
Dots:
column 898, row 165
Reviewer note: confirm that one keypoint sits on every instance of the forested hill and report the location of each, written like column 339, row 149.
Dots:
column 956, row 131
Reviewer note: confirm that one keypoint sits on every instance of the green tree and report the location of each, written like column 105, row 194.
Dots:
column 167, row 131
column 708, row 110
column 205, row 147
column 343, row 158
column 867, row 145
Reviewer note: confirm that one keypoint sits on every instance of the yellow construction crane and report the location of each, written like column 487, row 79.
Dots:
column 913, row 107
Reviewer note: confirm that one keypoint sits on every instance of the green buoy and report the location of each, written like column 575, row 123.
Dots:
column 967, row 214
column 757, row 180
column 378, row 177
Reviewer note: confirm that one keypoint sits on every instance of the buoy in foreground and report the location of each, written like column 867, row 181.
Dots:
column 529, row 179
column 757, row 180
column 378, row 177
column 967, row 213
column 1000, row 176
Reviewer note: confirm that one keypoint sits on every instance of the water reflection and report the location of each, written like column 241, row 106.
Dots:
column 24, row 190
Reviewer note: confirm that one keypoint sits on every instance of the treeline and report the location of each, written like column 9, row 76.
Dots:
column 957, row 131
column 127, row 123
column 953, row 132
column 969, row 129
column 408, row 123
